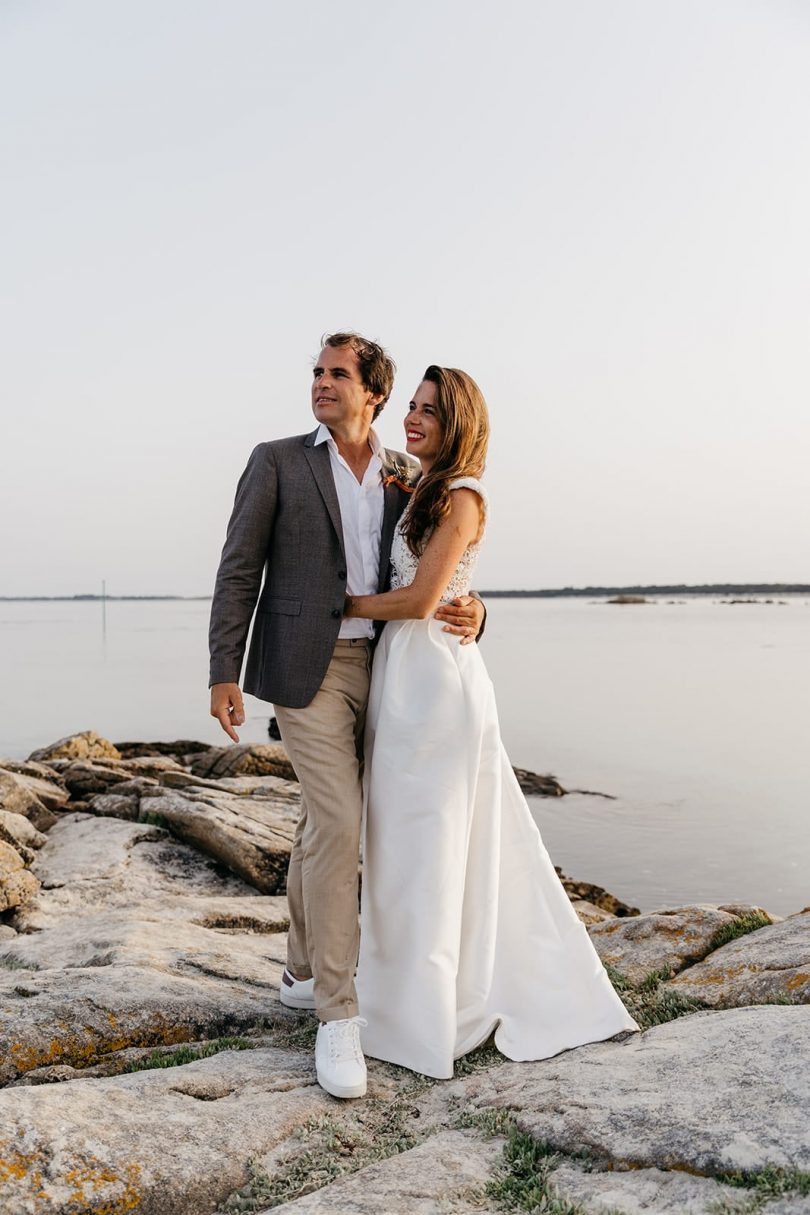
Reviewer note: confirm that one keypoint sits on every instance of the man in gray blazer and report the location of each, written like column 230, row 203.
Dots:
column 315, row 515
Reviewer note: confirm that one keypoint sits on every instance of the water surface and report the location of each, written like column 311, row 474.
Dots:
column 694, row 715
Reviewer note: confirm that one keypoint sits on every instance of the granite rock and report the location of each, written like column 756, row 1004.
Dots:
column 17, row 884
column 40, row 780
column 245, row 759
column 771, row 964
column 644, row 1192
column 17, row 797
column 666, row 940
column 444, row 1174
column 152, row 1142
column 707, row 1093
column 85, row 745
column 251, row 835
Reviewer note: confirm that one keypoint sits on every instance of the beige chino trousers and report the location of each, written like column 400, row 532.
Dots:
column 324, row 741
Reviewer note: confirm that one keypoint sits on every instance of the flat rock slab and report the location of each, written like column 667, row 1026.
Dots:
column 81, row 1015
column 707, row 1093
column 156, row 1142
column 251, row 835
column 440, row 1175
column 645, row 1192
column 88, row 863
column 135, row 940
column 769, row 964
column 661, row 940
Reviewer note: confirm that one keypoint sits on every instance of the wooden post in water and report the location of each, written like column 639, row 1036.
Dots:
column 104, row 607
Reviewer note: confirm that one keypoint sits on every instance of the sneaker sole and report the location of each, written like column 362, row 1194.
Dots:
column 289, row 1001
column 345, row 1092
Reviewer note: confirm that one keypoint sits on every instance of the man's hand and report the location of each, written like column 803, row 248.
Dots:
column 463, row 616
column 227, row 707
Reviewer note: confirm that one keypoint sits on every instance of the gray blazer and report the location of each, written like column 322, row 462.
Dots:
column 286, row 525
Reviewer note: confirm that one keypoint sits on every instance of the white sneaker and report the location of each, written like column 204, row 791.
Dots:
column 296, row 993
column 339, row 1061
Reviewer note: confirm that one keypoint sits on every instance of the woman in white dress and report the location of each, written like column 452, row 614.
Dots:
column 465, row 926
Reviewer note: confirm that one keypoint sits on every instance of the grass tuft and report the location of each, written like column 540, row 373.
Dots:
column 294, row 1032
column 10, row 963
column 490, row 1122
column 647, row 1003
column 334, row 1146
column 484, row 1056
column 187, row 1054
column 523, row 1181
column 750, row 922
column 770, row 1182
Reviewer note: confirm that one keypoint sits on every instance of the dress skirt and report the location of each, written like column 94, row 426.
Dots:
column 465, row 926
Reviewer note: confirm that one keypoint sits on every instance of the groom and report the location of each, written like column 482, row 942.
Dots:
column 315, row 514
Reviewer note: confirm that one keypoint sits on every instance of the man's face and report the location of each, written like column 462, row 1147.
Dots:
column 339, row 397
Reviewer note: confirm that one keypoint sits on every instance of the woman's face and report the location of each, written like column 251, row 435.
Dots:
column 423, row 432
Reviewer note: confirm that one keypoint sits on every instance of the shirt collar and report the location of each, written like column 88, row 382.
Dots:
column 324, row 435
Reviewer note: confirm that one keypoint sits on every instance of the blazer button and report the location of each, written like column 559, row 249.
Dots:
column 336, row 612
column 341, row 573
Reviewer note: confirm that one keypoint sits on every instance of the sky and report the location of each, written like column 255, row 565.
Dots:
column 598, row 210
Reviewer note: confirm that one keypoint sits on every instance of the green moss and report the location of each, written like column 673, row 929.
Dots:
column 188, row 1054
column 740, row 927
column 154, row 819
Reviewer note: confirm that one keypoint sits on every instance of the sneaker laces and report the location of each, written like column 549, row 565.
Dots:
column 344, row 1039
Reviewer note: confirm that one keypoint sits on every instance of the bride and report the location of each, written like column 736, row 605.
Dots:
column 465, row 927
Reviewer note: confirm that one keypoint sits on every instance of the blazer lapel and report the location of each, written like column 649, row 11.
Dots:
column 321, row 466
column 395, row 500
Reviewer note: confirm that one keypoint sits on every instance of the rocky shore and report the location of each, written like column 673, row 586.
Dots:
column 148, row 1067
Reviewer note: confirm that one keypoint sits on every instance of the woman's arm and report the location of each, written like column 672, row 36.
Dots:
column 438, row 563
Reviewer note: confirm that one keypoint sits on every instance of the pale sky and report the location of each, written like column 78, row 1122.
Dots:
column 597, row 209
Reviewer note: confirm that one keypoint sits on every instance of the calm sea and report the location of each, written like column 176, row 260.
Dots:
column 694, row 715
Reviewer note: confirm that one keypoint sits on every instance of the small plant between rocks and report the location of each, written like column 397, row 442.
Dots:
column 9, row 963
column 335, row 1146
column 647, row 1003
column 769, row 1183
column 188, row 1054
column 740, row 927
column 523, row 1182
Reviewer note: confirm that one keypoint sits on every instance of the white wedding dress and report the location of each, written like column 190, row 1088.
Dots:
column 465, row 926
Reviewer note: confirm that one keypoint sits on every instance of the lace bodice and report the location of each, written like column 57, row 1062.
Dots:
column 404, row 564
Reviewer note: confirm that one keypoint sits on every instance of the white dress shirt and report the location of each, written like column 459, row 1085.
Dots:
column 361, row 512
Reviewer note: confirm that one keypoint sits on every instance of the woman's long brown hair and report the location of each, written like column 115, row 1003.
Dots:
column 462, row 414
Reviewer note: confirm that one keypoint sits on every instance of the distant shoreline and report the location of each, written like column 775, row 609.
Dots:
column 567, row 592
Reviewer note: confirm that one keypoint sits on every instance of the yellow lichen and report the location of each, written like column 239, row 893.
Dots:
column 83, row 1051
column 797, row 980
column 96, row 1176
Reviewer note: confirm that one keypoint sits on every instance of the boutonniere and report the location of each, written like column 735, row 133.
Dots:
column 397, row 477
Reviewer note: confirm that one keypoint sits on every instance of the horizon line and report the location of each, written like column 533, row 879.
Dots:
column 706, row 588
